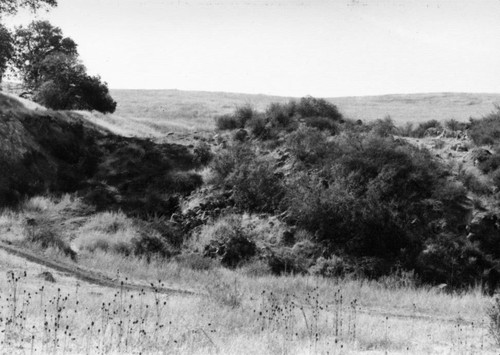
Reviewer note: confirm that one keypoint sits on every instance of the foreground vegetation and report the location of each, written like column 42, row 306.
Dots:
column 230, row 311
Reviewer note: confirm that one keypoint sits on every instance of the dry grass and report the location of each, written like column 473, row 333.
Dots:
column 234, row 314
column 161, row 111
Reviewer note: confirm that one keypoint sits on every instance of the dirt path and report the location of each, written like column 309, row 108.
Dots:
column 83, row 274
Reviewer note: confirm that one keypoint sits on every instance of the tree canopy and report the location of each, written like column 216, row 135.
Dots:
column 6, row 49
column 33, row 44
column 48, row 64
column 65, row 84
column 11, row 7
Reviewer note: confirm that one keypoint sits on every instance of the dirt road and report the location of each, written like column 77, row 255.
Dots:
column 85, row 275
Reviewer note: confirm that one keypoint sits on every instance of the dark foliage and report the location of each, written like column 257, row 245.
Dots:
column 256, row 187
column 6, row 49
column 486, row 131
column 232, row 249
column 48, row 64
column 424, row 127
column 227, row 122
column 323, row 124
column 10, row 7
column 312, row 107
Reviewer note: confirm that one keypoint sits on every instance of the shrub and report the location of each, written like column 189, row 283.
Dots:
column 226, row 122
column 203, row 153
column 227, row 160
column 486, row 131
column 384, row 127
column 406, row 130
column 308, row 145
column 238, row 119
column 423, row 127
column 256, row 187
column 258, row 125
column 322, row 123
column 455, row 125
column 473, row 182
column 281, row 115
column 243, row 114
column 227, row 241
column 490, row 164
column 150, row 245
column 312, row 107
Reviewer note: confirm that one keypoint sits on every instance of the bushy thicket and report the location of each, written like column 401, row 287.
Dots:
column 486, row 131
column 375, row 202
column 278, row 117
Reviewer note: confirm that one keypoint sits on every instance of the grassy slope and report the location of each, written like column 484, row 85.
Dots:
column 174, row 110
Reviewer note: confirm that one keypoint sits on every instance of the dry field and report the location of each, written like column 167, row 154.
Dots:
column 184, row 111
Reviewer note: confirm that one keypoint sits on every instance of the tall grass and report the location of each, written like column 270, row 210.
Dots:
column 235, row 315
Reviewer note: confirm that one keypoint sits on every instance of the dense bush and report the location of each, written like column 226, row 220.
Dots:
column 312, row 107
column 238, row 119
column 229, row 243
column 259, row 127
column 256, row 187
column 384, row 127
column 227, row 122
column 308, row 145
column 490, row 164
column 376, row 198
column 423, row 128
column 486, row 131
column 455, row 125
column 203, row 153
column 281, row 115
column 227, row 160
column 323, row 124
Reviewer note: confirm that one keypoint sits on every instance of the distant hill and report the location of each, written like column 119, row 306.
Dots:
column 187, row 110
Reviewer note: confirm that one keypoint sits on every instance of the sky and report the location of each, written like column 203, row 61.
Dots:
column 326, row 48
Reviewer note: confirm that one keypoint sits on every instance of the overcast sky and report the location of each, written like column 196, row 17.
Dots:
column 288, row 47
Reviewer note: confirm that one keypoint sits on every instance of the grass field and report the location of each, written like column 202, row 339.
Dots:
column 184, row 111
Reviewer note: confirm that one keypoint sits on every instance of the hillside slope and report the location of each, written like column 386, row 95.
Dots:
column 42, row 151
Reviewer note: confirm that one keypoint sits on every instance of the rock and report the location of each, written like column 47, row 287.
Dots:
column 47, row 276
